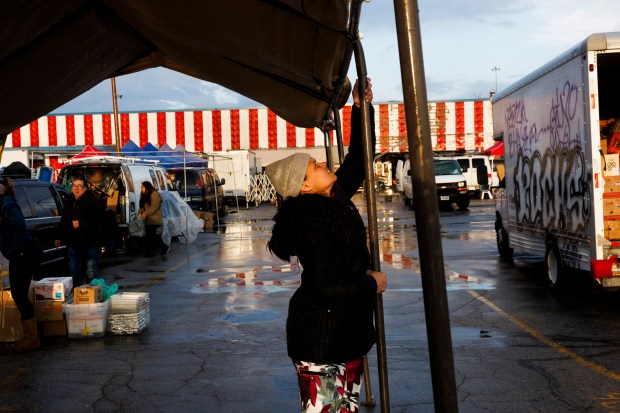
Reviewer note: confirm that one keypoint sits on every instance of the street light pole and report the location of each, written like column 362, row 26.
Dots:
column 495, row 69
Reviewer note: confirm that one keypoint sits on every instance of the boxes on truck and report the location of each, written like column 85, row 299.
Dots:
column 559, row 196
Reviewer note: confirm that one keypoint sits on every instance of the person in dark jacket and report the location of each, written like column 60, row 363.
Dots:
column 21, row 251
column 79, row 231
column 330, row 325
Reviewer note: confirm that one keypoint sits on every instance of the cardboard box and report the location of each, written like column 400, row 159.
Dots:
column 611, row 165
column 610, row 211
column 612, row 234
column 10, row 319
column 48, row 310
column 54, row 328
column 53, row 289
column 87, row 294
column 611, row 224
column 612, row 184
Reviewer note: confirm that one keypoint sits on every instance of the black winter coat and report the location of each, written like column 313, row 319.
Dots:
column 86, row 210
column 330, row 317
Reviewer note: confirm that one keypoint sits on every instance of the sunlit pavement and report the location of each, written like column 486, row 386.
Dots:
column 216, row 340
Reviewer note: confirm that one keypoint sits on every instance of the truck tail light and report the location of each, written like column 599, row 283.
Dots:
column 605, row 268
column 198, row 183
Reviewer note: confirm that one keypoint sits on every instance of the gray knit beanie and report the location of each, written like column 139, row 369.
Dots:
column 288, row 174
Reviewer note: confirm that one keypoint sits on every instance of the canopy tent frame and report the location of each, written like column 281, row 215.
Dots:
column 139, row 35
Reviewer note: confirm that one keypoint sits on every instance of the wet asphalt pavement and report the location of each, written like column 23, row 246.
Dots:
column 216, row 340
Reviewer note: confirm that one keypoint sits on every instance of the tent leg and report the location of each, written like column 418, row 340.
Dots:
column 373, row 234
column 426, row 207
column 370, row 401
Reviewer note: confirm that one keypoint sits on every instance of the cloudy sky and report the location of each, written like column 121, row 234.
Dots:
column 462, row 40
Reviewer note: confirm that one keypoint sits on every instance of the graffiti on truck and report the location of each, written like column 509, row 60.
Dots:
column 551, row 182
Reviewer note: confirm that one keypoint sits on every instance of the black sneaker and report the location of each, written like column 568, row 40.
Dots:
column 165, row 250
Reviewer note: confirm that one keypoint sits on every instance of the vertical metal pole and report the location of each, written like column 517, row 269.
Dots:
column 328, row 149
column 117, row 141
column 339, row 136
column 373, row 234
column 426, row 208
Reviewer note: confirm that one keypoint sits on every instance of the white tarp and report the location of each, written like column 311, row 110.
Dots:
column 178, row 219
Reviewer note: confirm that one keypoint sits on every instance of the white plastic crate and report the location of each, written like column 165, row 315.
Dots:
column 86, row 320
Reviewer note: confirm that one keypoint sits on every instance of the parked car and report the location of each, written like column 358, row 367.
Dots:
column 201, row 188
column 42, row 204
column 451, row 184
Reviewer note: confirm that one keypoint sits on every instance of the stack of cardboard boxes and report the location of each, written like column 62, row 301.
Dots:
column 49, row 296
column 611, row 197
column 207, row 217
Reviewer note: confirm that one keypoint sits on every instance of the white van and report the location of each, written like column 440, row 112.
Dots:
column 478, row 170
column 451, row 184
column 116, row 181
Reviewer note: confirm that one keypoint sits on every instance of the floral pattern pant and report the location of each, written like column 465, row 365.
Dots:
column 329, row 388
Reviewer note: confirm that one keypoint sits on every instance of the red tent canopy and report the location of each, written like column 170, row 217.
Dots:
column 497, row 149
column 89, row 151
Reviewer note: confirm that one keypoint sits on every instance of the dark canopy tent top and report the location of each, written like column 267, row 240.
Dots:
column 290, row 55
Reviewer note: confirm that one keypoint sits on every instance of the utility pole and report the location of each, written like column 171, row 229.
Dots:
column 495, row 69
column 117, row 140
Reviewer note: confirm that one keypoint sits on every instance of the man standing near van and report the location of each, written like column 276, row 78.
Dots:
column 79, row 230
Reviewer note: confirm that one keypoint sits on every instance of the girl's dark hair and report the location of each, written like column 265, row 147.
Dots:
column 8, row 184
column 145, row 198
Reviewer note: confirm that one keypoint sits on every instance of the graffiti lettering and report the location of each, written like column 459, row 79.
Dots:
column 550, row 181
column 552, row 190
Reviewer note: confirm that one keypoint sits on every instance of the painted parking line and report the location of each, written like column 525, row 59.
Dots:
column 262, row 276
column 547, row 341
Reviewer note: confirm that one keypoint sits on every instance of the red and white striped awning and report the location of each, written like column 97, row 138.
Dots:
column 455, row 125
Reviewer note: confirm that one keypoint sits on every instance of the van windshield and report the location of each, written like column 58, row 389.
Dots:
column 447, row 167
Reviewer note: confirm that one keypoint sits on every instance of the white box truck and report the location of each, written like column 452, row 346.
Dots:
column 239, row 169
column 560, row 199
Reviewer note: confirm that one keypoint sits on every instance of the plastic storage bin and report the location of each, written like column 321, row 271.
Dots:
column 86, row 320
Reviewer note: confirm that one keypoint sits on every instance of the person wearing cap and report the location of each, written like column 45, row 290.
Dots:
column 330, row 325
column 21, row 251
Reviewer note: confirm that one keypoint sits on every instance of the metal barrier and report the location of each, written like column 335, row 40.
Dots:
column 261, row 189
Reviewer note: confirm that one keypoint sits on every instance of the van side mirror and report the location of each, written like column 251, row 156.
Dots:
column 408, row 172
column 464, row 168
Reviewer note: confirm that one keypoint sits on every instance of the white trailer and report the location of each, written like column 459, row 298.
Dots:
column 239, row 169
column 561, row 199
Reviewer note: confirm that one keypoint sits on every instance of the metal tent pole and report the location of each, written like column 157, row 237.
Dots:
column 426, row 207
column 373, row 235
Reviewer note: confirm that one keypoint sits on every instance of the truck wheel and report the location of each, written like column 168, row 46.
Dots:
column 555, row 267
column 463, row 203
column 502, row 242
